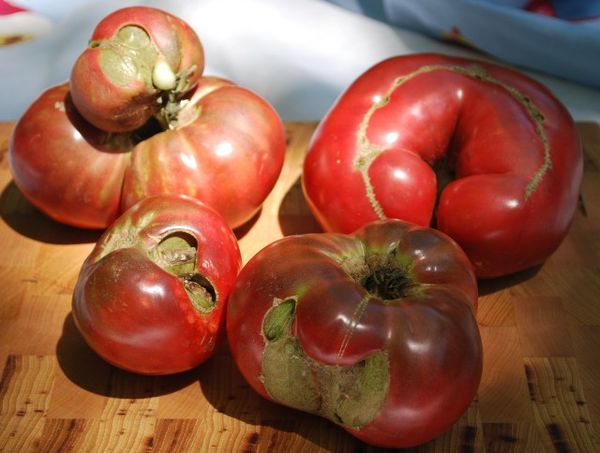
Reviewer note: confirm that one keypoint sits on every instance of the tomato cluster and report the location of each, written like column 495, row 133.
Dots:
column 371, row 324
column 138, row 119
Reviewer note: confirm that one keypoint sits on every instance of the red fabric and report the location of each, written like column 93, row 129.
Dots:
column 543, row 7
column 6, row 8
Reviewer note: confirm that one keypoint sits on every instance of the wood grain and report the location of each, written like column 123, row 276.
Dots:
column 541, row 333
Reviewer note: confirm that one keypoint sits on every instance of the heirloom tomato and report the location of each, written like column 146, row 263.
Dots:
column 151, row 296
column 482, row 152
column 375, row 331
column 225, row 148
column 139, row 60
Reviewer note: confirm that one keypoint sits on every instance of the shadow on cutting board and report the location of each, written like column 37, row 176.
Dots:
column 87, row 370
column 24, row 218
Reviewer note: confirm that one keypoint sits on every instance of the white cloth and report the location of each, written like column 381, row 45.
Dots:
column 298, row 54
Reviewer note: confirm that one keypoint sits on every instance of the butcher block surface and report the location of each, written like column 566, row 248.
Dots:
column 540, row 389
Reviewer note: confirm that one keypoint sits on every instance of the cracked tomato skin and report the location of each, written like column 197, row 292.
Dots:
column 337, row 319
column 130, row 302
column 229, row 154
column 487, row 154
column 111, row 81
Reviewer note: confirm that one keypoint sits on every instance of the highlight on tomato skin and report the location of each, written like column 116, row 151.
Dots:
column 482, row 152
column 140, row 62
column 151, row 296
column 375, row 331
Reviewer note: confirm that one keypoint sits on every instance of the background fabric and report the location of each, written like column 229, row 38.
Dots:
column 299, row 54
column 561, row 37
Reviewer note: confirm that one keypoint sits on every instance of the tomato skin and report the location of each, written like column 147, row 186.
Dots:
column 133, row 310
column 510, row 199
column 428, row 334
column 230, row 156
column 70, row 170
column 107, row 91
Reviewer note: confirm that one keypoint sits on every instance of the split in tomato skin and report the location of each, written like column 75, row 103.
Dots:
column 151, row 297
column 375, row 331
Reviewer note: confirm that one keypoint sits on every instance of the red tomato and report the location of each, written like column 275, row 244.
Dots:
column 151, row 296
column 137, row 56
column 227, row 149
column 374, row 331
column 69, row 169
column 482, row 152
column 229, row 154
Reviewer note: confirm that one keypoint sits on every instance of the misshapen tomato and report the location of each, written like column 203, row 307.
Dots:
column 173, row 131
column 374, row 331
column 486, row 153
column 151, row 296
column 138, row 59
column 227, row 149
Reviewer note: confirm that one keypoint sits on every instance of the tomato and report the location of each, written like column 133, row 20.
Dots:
column 139, row 59
column 229, row 154
column 226, row 148
column 375, row 331
column 482, row 152
column 151, row 296
column 70, row 170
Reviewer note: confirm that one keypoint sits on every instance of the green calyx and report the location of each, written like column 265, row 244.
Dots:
column 385, row 273
column 388, row 283
column 351, row 396
column 388, row 275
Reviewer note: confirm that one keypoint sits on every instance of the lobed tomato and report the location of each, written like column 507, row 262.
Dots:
column 227, row 150
column 482, row 152
column 374, row 331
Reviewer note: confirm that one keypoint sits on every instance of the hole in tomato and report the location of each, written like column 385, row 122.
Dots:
column 278, row 320
column 176, row 254
column 201, row 292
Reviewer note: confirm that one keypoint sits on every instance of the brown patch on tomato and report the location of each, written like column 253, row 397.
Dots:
column 351, row 396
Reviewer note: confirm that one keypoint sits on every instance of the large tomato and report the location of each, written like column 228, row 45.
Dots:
column 139, row 60
column 374, row 331
column 482, row 152
column 151, row 296
column 225, row 147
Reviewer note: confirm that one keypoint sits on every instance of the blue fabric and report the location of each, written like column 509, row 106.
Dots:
column 506, row 29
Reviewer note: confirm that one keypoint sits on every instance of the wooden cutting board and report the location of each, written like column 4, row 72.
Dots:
column 541, row 333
